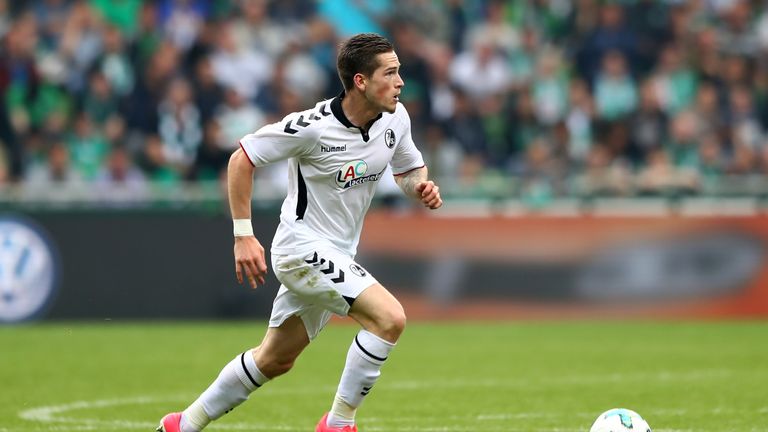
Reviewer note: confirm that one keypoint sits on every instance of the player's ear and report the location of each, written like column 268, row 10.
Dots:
column 360, row 81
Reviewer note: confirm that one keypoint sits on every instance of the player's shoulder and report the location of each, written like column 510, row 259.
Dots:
column 401, row 115
column 310, row 122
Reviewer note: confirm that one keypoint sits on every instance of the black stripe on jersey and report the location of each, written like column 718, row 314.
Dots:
column 288, row 129
column 242, row 361
column 359, row 345
column 300, row 121
column 338, row 112
column 301, row 203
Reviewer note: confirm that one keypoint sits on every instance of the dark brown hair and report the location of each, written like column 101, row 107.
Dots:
column 358, row 55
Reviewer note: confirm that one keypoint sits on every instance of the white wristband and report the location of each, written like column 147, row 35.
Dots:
column 242, row 227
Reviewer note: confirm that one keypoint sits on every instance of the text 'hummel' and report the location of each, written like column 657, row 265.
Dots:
column 332, row 149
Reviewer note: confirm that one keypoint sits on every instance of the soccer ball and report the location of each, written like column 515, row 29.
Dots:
column 620, row 420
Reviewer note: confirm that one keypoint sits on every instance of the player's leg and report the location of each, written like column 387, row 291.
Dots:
column 379, row 312
column 383, row 320
column 331, row 281
column 244, row 374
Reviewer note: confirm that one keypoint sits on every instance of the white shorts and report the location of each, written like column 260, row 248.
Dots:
column 315, row 285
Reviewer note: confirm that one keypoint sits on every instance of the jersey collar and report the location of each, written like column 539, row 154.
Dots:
column 338, row 112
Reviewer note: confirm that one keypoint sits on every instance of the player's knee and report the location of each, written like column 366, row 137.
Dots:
column 393, row 323
column 282, row 367
column 274, row 367
column 273, row 364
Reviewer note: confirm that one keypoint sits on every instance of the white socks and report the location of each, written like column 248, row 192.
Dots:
column 364, row 359
column 237, row 380
column 240, row 377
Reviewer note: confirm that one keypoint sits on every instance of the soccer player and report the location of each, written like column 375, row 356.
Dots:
column 338, row 150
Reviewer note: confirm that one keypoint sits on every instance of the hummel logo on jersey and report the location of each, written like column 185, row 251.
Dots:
column 329, row 270
column 300, row 122
column 354, row 173
column 389, row 138
column 332, row 149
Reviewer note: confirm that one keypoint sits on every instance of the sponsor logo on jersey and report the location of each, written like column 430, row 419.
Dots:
column 28, row 273
column 389, row 138
column 355, row 173
column 332, row 149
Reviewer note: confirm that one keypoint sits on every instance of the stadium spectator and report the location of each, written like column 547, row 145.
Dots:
column 88, row 147
column 212, row 155
column 549, row 88
column 114, row 62
column 611, row 35
column 55, row 171
column 237, row 117
column 466, row 127
column 615, row 88
column 179, row 124
column 648, row 124
column 209, row 95
column 743, row 119
column 101, row 102
column 712, row 161
column 579, row 120
column 523, row 126
column 675, row 82
column 120, row 182
column 254, row 29
column 659, row 177
column 522, row 61
column 243, row 69
column 604, row 175
column 480, row 70
column 495, row 30
column 155, row 165
column 182, row 20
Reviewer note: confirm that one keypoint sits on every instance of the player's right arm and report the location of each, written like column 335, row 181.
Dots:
column 291, row 137
column 249, row 253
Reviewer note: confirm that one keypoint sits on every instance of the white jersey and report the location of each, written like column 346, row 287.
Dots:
column 333, row 170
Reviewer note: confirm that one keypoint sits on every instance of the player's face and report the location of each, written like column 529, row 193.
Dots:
column 383, row 89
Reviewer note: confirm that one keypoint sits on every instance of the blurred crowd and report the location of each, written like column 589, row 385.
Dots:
column 554, row 96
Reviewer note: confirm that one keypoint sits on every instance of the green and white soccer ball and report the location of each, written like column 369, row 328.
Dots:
column 620, row 420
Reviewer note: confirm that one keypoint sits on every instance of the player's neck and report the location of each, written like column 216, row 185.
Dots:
column 357, row 110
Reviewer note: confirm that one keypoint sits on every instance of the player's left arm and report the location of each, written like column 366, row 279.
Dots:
column 415, row 184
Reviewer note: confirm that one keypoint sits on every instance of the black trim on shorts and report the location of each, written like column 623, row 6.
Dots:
column 242, row 361
column 301, row 205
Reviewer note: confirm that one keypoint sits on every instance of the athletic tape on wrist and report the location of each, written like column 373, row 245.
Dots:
column 242, row 227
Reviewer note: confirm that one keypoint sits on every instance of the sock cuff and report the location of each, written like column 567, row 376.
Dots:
column 371, row 347
column 247, row 371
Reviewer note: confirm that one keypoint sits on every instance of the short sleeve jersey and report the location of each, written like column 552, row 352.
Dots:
column 334, row 168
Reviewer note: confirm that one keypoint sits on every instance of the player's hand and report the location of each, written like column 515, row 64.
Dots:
column 249, row 261
column 430, row 194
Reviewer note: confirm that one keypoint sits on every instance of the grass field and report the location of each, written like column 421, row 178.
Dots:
column 553, row 376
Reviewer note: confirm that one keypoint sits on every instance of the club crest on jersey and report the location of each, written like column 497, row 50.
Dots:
column 357, row 269
column 355, row 173
column 389, row 138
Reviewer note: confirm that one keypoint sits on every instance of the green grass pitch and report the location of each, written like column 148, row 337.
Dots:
column 515, row 376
